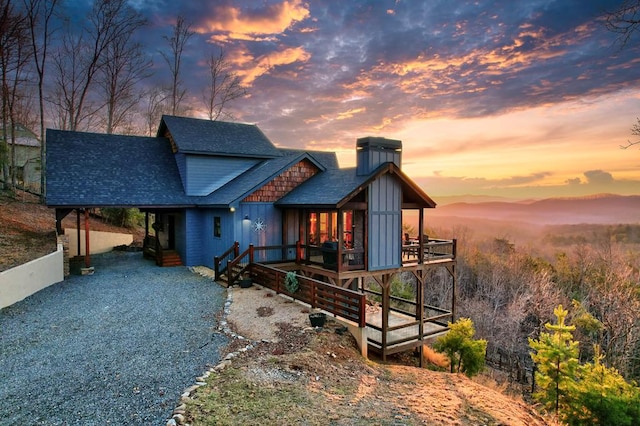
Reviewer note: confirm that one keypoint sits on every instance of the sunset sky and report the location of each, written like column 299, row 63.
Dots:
column 505, row 98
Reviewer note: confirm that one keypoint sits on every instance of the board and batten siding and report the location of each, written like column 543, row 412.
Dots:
column 205, row 174
column 369, row 160
column 267, row 214
column 385, row 227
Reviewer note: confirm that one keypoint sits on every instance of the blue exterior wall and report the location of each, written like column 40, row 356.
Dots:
column 192, row 253
column 385, row 226
column 201, row 245
column 205, row 174
column 245, row 229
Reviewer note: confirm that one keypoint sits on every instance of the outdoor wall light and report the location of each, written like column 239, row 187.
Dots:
column 246, row 217
column 232, row 209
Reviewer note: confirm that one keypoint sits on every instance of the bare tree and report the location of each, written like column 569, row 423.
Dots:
column 14, row 55
column 39, row 14
column 224, row 85
column 635, row 131
column 156, row 103
column 181, row 34
column 81, row 57
column 125, row 65
column 625, row 20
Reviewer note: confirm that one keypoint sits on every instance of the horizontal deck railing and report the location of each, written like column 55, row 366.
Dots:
column 339, row 301
column 433, row 249
column 433, row 315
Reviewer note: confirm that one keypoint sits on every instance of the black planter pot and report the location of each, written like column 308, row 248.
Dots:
column 245, row 283
column 317, row 319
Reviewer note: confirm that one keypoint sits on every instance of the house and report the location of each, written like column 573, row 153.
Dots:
column 222, row 195
column 27, row 157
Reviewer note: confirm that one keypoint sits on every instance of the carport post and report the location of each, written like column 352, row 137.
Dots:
column 87, row 258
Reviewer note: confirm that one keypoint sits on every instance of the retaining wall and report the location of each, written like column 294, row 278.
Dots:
column 99, row 242
column 25, row 280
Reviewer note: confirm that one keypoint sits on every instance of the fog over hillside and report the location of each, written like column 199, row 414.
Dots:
column 600, row 209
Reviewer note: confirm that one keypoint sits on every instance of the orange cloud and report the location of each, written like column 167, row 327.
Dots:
column 235, row 24
column 350, row 113
column 254, row 68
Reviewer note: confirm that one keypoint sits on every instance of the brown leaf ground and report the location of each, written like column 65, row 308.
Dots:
column 311, row 376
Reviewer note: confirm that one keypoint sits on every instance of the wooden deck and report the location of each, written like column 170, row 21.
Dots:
column 403, row 332
column 345, row 294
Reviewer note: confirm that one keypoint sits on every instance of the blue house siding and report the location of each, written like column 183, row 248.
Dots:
column 193, row 251
column 264, row 213
column 216, row 245
column 205, row 174
column 385, row 236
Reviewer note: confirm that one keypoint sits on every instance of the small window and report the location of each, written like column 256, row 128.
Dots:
column 217, row 227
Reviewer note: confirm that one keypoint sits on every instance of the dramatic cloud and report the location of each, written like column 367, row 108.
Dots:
column 517, row 97
column 230, row 22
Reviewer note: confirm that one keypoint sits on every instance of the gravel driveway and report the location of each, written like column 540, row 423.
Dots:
column 117, row 347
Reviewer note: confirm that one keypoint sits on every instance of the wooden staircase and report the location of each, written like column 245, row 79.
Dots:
column 224, row 277
column 170, row 258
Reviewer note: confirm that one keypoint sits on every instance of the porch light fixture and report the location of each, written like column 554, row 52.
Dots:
column 246, row 217
column 232, row 209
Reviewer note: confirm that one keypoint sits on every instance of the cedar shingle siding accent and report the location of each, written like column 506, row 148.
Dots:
column 281, row 185
column 168, row 135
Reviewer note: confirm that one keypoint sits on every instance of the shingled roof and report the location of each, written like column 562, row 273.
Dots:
column 92, row 169
column 196, row 136
column 334, row 188
column 98, row 170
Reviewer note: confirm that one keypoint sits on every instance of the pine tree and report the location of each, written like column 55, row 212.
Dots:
column 606, row 398
column 466, row 355
column 556, row 357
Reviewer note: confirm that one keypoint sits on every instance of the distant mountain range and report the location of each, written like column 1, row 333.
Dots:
column 596, row 209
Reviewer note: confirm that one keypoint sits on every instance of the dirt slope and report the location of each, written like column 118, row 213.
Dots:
column 28, row 229
column 295, row 374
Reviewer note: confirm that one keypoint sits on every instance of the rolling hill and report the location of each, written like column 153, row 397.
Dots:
column 599, row 209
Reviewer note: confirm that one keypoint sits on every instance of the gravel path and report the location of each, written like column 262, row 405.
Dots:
column 117, row 347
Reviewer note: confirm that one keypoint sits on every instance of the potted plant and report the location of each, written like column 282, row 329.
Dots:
column 291, row 282
column 317, row 319
column 245, row 282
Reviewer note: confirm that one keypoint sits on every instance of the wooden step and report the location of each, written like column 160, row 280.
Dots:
column 171, row 258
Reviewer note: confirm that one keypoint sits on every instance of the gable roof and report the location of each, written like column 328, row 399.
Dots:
column 334, row 188
column 197, row 136
column 236, row 190
column 91, row 169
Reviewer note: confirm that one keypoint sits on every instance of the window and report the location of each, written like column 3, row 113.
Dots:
column 323, row 227
column 217, row 227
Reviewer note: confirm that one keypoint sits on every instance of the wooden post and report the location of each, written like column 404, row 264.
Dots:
column 78, row 229
column 386, row 300
column 236, row 249
column 251, row 251
column 87, row 257
column 216, row 267
column 298, row 252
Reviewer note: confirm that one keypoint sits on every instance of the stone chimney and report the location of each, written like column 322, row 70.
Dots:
column 371, row 152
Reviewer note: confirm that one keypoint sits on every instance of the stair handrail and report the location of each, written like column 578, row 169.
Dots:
column 223, row 259
column 241, row 260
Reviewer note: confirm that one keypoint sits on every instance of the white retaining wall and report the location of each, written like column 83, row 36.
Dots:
column 99, row 242
column 25, row 280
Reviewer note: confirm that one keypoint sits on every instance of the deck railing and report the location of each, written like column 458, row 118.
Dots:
column 432, row 314
column 327, row 257
column 433, row 250
column 336, row 300
column 220, row 262
column 236, row 267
